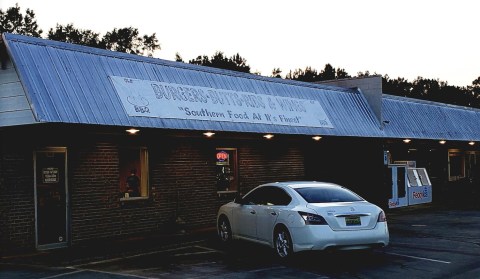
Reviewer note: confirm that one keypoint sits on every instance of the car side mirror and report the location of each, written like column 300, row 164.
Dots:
column 239, row 199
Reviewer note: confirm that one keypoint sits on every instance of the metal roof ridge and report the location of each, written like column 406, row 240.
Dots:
column 164, row 62
column 428, row 102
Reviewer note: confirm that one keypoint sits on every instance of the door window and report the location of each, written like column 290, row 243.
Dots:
column 51, row 198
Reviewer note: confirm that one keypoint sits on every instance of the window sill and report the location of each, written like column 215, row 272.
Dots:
column 134, row 199
column 227, row 192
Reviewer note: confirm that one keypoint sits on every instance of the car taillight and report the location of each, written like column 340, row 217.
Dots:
column 382, row 217
column 312, row 219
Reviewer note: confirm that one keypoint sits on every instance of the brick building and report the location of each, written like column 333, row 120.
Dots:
column 74, row 121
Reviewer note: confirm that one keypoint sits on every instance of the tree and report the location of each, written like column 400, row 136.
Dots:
column 311, row 75
column 70, row 34
column 276, row 73
column 433, row 90
column 399, row 86
column 178, row 58
column 328, row 73
column 13, row 21
column 123, row 40
column 475, row 87
column 341, row 73
column 219, row 60
column 128, row 40
column 307, row 75
column 363, row 74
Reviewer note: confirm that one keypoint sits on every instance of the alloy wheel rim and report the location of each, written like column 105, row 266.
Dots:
column 282, row 245
column 224, row 231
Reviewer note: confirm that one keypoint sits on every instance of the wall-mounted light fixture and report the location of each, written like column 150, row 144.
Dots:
column 132, row 131
column 442, row 141
column 268, row 136
column 317, row 138
column 471, row 143
column 209, row 134
column 407, row 140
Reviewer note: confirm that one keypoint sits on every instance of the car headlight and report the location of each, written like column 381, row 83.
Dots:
column 312, row 219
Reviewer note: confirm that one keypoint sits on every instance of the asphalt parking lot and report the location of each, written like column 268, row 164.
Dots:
column 425, row 242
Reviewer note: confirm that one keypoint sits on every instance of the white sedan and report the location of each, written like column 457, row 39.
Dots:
column 302, row 215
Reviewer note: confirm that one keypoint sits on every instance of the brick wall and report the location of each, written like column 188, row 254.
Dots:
column 182, row 183
column 269, row 161
column 17, row 210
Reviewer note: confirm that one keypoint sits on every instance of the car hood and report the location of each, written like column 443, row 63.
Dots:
column 348, row 215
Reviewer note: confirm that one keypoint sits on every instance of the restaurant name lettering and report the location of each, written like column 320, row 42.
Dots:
column 168, row 100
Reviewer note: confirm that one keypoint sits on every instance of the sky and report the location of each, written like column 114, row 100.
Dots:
column 435, row 39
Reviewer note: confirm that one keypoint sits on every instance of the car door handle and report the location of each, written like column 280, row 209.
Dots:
column 253, row 212
column 273, row 213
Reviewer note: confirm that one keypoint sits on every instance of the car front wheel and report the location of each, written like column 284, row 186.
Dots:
column 224, row 230
column 283, row 243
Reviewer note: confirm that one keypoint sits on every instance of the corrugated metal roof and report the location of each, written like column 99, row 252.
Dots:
column 412, row 118
column 70, row 84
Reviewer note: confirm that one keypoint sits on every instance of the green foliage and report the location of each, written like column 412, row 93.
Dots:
column 178, row 58
column 276, row 73
column 219, row 60
column 123, row 40
column 69, row 34
column 308, row 75
column 311, row 75
column 433, row 90
column 13, row 21
column 128, row 40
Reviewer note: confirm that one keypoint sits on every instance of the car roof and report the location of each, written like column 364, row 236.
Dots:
column 303, row 184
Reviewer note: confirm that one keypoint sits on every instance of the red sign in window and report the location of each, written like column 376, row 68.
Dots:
column 222, row 156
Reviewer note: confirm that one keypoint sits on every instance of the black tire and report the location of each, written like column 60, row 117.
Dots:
column 224, row 230
column 282, row 242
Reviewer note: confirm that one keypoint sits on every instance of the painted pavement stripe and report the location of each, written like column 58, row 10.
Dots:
column 418, row 258
column 62, row 274
column 139, row 255
column 118, row 274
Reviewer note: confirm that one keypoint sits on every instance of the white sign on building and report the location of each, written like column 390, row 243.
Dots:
column 169, row 100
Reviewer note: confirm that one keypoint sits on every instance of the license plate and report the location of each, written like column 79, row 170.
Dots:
column 353, row 221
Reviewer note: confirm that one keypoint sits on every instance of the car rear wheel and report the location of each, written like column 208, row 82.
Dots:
column 224, row 230
column 283, row 243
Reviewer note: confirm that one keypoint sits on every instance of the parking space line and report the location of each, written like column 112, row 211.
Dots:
column 194, row 253
column 418, row 258
column 119, row 274
column 210, row 249
column 139, row 255
column 266, row 269
column 205, row 248
column 62, row 274
column 164, row 273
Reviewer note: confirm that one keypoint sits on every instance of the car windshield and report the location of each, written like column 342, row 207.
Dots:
column 327, row 194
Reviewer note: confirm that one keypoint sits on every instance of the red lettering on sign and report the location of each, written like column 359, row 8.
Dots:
column 417, row 195
column 222, row 156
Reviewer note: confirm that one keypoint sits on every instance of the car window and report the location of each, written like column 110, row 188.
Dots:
column 267, row 195
column 257, row 196
column 328, row 194
column 277, row 196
